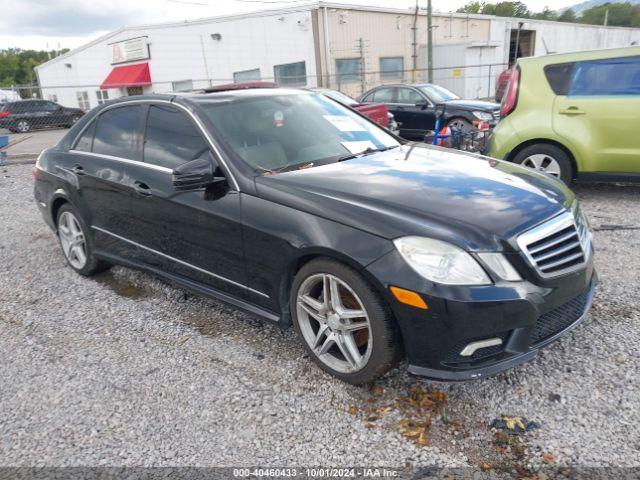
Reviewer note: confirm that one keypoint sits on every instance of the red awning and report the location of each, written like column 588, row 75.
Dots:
column 128, row 76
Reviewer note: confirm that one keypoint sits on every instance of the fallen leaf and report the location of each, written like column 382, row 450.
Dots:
column 422, row 440
column 352, row 410
column 484, row 466
column 182, row 340
column 548, row 457
column 377, row 390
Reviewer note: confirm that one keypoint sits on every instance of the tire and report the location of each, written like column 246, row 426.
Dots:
column 546, row 158
column 70, row 226
column 22, row 126
column 375, row 334
column 462, row 123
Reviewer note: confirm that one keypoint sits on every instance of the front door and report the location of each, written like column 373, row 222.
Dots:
column 193, row 234
column 416, row 113
column 599, row 116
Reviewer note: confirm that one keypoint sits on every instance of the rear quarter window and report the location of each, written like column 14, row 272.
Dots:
column 559, row 77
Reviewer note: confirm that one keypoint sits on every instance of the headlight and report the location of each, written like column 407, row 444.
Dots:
column 441, row 262
column 500, row 266
column 483, row 115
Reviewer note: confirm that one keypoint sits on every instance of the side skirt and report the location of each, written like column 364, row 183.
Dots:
column 195, row 287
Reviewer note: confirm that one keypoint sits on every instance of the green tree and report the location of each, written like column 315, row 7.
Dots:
column 568, row 16
column 545, row 14
column 17, row 65
column 472, row 7
column 620, row 15
column 506, row 9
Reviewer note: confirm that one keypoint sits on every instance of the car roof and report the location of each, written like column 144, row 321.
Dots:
column 580, row 56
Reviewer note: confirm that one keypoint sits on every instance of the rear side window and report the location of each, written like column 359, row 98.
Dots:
column 559, row 77
column 115, row 132
column 171, row 138
column 612, row 76
column 85, row 142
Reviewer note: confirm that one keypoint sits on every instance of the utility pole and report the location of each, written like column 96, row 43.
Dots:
column 429, row 41
column 606, row 17
column 362, row 67
column 414, row 71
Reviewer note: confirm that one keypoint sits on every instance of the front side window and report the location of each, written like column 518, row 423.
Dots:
column 348, row 70
column 291, row 73
column 613, row 76
column 115, row 133
column 247, row 76
column 438, row 94
column 286, row 131
column 409, row 96
column 171, row 139
column 50, row 106
column 391, row 68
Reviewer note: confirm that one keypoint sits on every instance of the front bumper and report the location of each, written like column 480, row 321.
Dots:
column 525, row 316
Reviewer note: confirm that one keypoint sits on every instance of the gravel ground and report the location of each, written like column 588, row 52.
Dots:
column 125, row 370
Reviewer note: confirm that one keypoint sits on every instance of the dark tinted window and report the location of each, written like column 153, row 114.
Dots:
column 613, row 76
column 85, row 141
column 49, row 106
column 115, row 132
column 171, row 138
column 559, row 77
column 407, row 96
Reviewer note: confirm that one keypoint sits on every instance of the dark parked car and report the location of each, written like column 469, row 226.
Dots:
column 294, row 208
column 414, row 108
column 25, row 115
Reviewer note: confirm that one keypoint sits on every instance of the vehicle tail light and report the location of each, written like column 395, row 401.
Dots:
column 510, row 100
column 4, row 114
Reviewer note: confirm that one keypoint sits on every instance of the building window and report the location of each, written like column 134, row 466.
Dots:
column 83, row 100
column 348, row 70
column 182, row 86
column 291, row 73
column 391, row 68
column 247, row 76
column 53, row 97
column 102, row 96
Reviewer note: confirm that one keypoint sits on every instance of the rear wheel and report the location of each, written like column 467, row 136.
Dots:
column 76, row 243
column 546, row 158
column 461, row 124
column 343, row 323
column 22, row 126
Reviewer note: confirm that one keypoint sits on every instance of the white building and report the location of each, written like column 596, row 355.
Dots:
column 352, row 48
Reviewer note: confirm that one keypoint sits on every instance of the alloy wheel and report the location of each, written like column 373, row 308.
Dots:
column 23, row 126
column 334, row 323
column 72, row 240
column 542, row 163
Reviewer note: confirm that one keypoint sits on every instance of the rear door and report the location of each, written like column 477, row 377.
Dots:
column 598, row 113
column 102, row 160
column 194, row 234
column 416, row 119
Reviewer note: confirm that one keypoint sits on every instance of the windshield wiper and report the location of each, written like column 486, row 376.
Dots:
column 368, row 151
column 285, row 168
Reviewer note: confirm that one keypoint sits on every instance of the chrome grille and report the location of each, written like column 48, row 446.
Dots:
column 560, row 245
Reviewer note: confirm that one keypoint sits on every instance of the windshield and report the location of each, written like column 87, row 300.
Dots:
column 438, row 94
column 284, row 131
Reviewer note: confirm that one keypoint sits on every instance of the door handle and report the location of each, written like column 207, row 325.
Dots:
column 571, row 111
column 78, row 169
column 142, row 189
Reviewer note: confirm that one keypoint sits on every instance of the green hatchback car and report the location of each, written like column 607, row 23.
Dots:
column 575, row 116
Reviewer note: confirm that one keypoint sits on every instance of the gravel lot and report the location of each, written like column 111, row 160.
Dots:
column 126, row 370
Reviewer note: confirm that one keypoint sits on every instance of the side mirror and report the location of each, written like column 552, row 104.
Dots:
column 423, row 104
column 196, row 174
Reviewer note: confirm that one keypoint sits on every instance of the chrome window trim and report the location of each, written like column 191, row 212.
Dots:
column 203, row 132
column 123, row 160
column 182, row 262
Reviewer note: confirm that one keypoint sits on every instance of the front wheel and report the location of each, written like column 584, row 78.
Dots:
column 22, row 126
column 76, row 244
column 548, row 159
column 344, row 325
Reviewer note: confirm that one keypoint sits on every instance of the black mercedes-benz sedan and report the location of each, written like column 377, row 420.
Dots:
column 290, row 206
column 416, row 106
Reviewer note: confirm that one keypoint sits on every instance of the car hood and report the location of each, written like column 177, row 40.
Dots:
column 478, row 203
column 474, row 105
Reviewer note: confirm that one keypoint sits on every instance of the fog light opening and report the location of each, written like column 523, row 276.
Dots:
column 472, row 347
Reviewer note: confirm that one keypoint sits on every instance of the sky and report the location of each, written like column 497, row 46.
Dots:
column 53, row 24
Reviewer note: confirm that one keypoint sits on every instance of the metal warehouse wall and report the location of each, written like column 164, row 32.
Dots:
column 187, row 51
